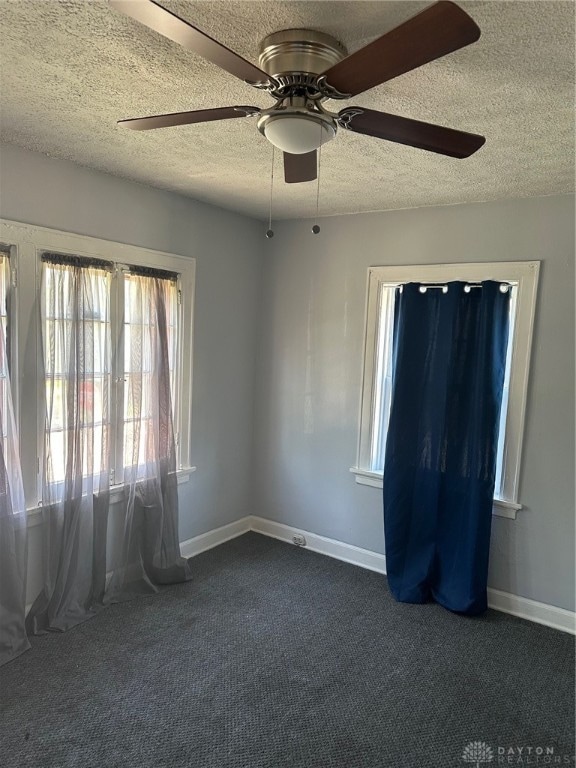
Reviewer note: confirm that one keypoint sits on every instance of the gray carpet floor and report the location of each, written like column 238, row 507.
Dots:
column 275, row 656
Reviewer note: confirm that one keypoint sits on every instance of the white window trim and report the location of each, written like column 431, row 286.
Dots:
column 34, row 514
column 28, row 243
column 12, row 324
column 525, row 274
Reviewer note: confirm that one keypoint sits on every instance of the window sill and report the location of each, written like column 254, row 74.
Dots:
column 34, row 514
column 501, row 507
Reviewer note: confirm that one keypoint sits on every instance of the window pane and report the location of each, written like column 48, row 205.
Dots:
column 136, row 437
column 137, row 392
column 137, row 348
column 76, row 332
column 4, row 283
column 66, row 447
column 55, row 399
column 500, row 456
column 383, row 389
column 86, row 397
column 141, row 343
column 11, row 488
column 56, row 456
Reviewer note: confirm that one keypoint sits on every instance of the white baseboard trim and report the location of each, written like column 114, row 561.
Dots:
column 372, row 561
column 532, row 610
column 524, row 608
column 205, row 541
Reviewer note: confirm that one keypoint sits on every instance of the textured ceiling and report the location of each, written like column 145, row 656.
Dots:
column 69, row 70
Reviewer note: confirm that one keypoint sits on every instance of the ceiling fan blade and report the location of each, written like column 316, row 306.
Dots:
column 187, row 118
column 413, row 133
column 166, row 23
column 437, row 30
column 299, row 168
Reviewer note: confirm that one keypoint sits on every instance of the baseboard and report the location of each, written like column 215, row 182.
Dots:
column 532, row 610
column 205, row 541
column 198, row 544
column 524, row 608
column 365, row 558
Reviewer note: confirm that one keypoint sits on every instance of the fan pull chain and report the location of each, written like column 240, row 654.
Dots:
column 270, row 231
column 316, row 227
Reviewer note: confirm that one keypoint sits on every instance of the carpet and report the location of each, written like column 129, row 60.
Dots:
column 276, row 656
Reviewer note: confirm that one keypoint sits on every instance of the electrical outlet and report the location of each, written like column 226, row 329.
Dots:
column 299, row 540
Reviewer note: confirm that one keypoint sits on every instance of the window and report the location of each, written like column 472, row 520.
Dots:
column 11, row 492
column 135, row 379
column 116, row 390
column 76, row 295
column 377, row 380
column 114, row 309
column 4, row 371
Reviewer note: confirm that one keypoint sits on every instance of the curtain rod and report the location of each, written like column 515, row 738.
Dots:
column 72, row 260
column 161, row 274
column 504, row 287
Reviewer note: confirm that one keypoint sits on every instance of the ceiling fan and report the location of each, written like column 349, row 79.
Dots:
column 302, row 68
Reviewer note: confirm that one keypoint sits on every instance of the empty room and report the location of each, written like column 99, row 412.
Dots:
column 287, row 384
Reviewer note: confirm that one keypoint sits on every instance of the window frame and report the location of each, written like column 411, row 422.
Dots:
column 8, row 251
column 525, row 275
column 11, row 251
column 28, row 243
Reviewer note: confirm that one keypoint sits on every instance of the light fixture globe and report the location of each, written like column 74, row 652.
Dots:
column 295, row 132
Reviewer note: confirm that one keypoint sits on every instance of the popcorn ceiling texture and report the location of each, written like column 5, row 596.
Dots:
column 70, row 69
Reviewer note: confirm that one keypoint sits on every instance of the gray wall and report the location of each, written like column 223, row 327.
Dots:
column 228, row 250
column 307, row 294
column 310, row 364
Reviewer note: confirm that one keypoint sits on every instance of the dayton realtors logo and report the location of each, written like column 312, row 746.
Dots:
column 478, row 754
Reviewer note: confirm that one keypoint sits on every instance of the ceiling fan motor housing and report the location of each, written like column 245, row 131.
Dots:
column 295, row 58
column 292, row 51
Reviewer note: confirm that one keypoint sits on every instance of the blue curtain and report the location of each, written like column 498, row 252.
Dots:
column 440, row 463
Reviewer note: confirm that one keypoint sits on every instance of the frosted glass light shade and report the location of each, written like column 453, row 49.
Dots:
column 297, row 134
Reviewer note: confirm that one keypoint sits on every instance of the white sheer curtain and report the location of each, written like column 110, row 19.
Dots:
column 150, row 552
column 75, row 500
column 106, row 413
column 13, row 540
